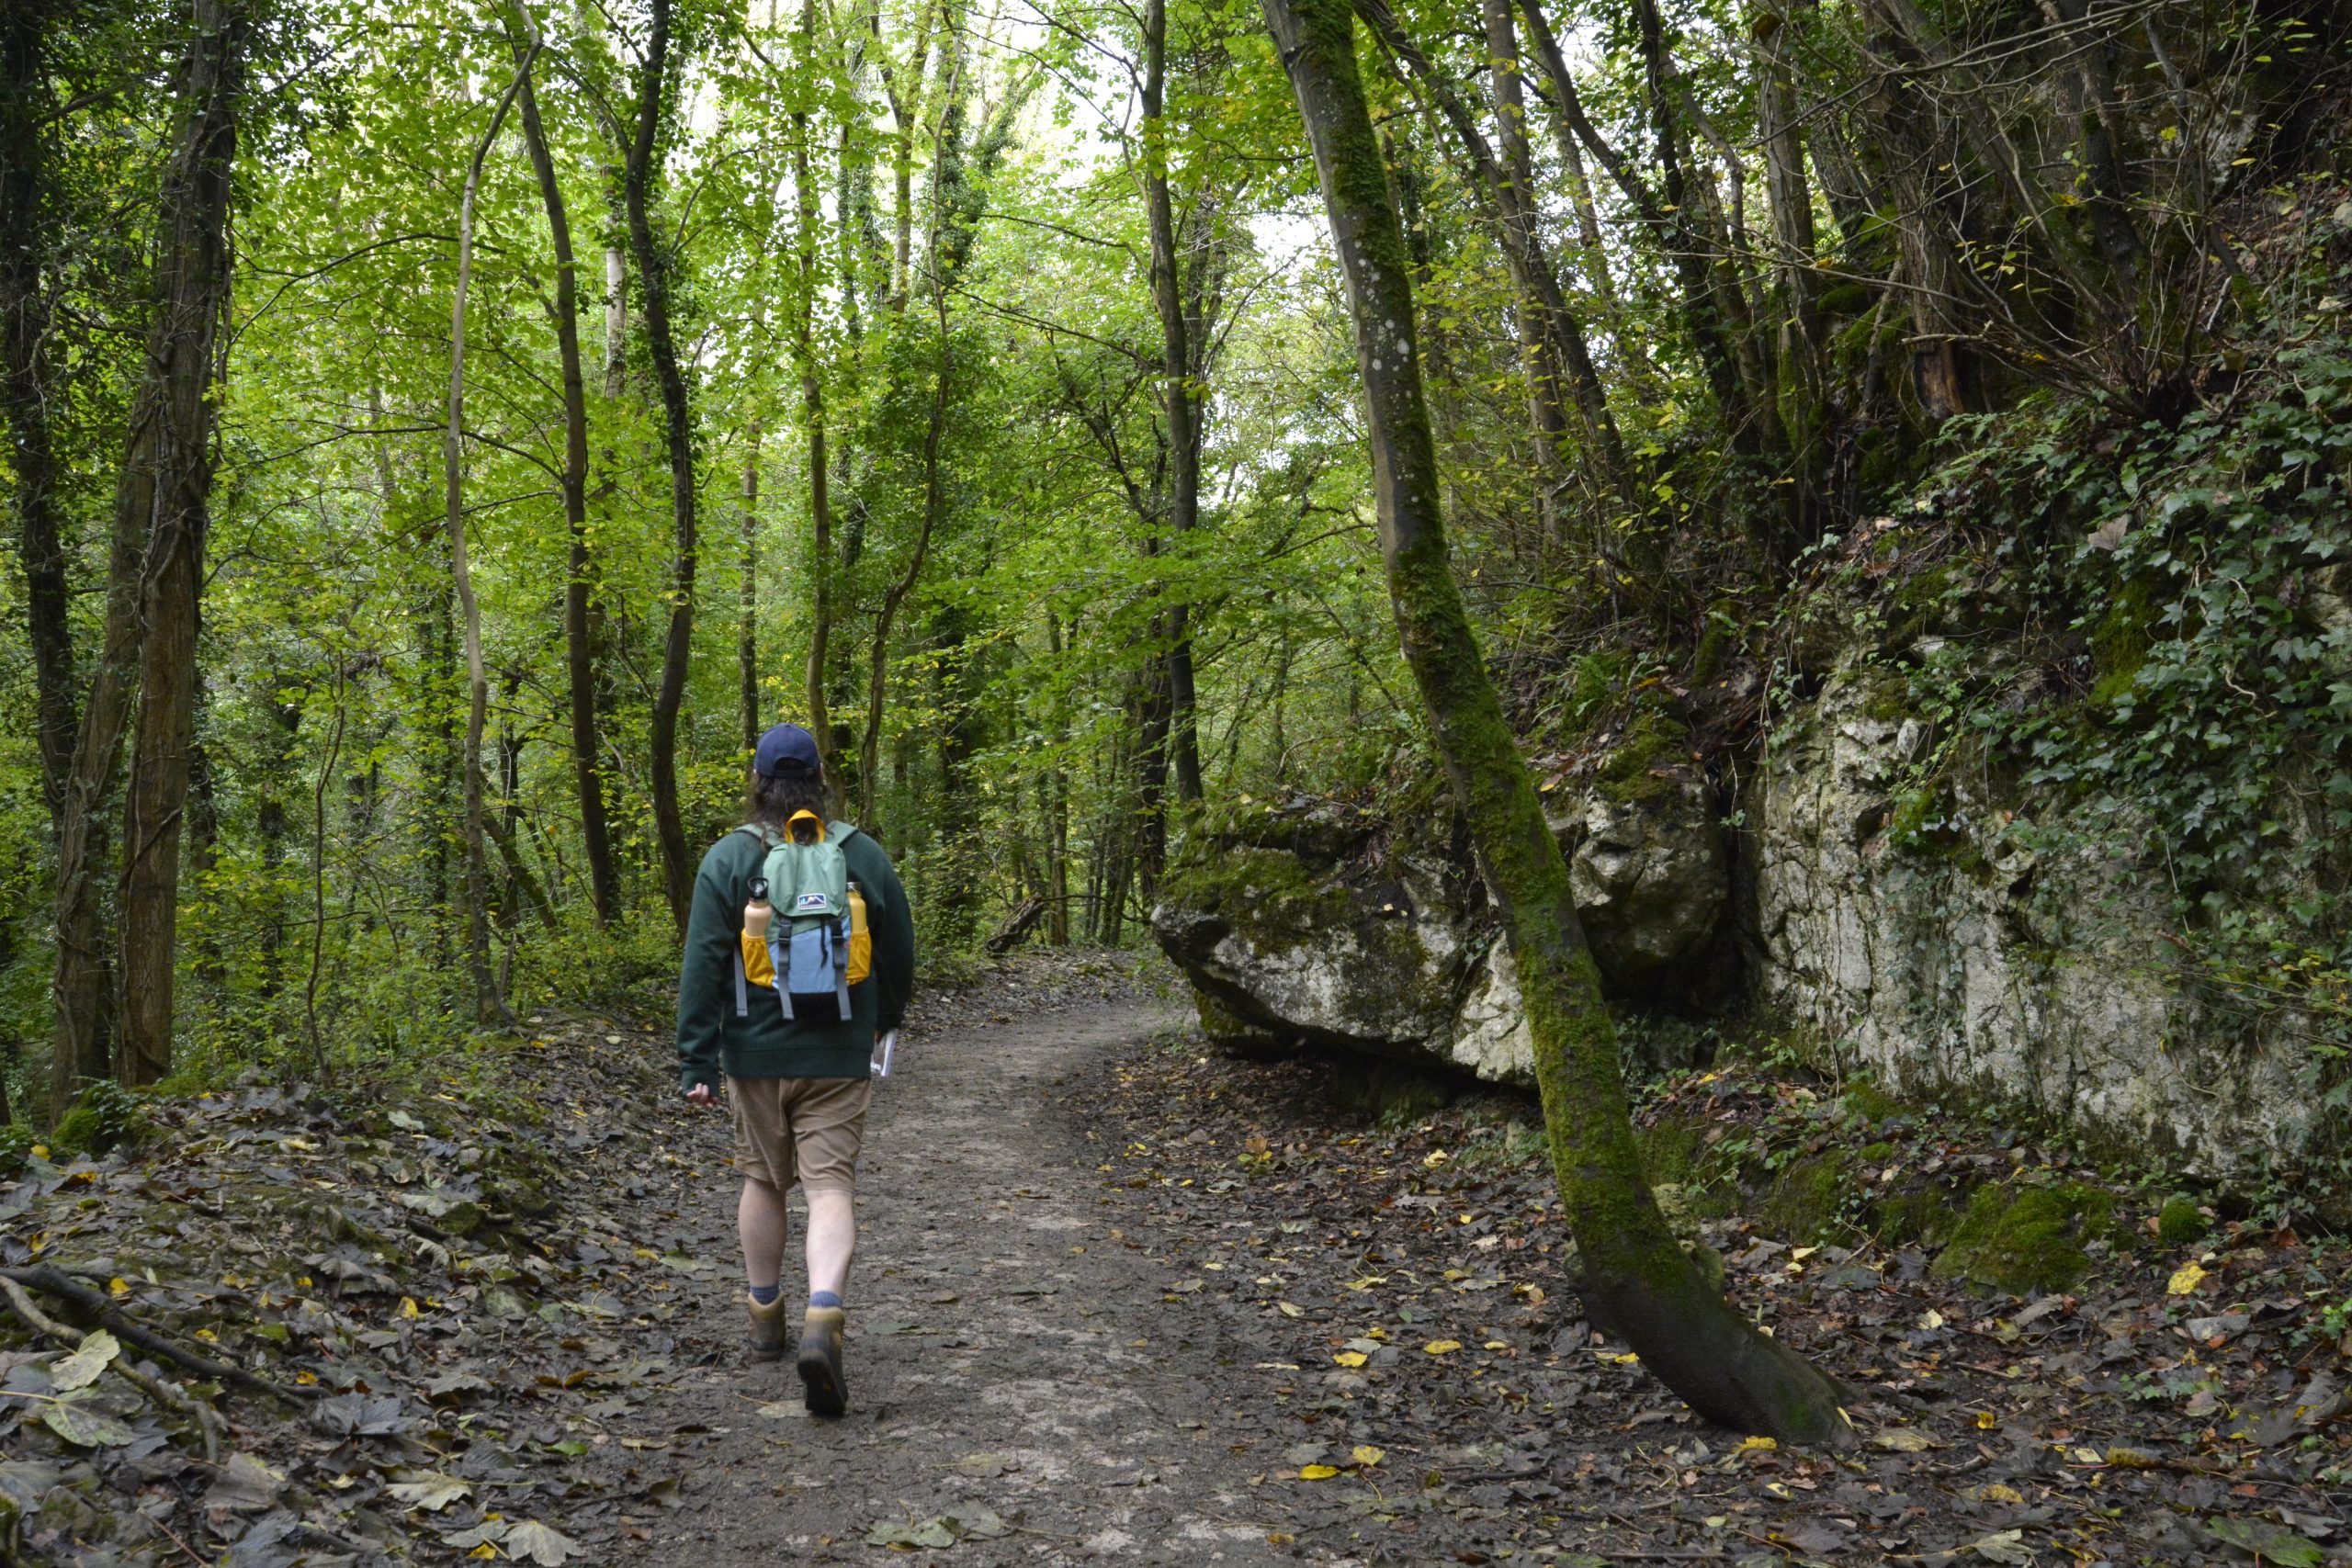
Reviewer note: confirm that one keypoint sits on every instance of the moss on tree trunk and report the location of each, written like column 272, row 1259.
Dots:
column 1638, row 1283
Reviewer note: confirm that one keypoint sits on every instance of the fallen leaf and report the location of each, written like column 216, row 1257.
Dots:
column 542, row 1544
column 2268, row 1542
column 428, row 1490
column 1365, row 1454
column 1350, row 1357
column 2005, row 1547
column 1996, row 1492
column 1902, row 1441
column 1318, row 1472
column 79, row 1423
column 2185, row 1280
column 1442, row 1347
column 1289, row 1310
column 81, row 1368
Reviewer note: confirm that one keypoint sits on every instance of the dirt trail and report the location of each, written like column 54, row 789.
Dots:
column 1009, row 1354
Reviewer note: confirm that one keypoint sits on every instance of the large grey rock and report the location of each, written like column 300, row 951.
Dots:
column 1970, row 958
column 1649, row 876
column 1303, row 921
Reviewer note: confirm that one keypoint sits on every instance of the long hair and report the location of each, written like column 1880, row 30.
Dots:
column 776, row 799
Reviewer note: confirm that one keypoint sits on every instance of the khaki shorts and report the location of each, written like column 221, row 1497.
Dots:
column 803, row 1130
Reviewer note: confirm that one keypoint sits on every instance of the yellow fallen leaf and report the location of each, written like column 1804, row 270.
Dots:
column 1436, row 1158
column 1984, row 1421
column 1442, row 1347
column 1758, row 1445
column 1627, row 1360
column 41, row 1151
column 1375, row 1332
column 117, row 1287
column 306, row 1379
column 1931, row 1319
column 1802, row 1253
column 1902, row 1441
column 1368, row 1281
column 1318, row 1472
column 1365, row 1454
column 1350, row 1357
column 2185, row 1280
column 408, row 1306
column 1290, row 1310
column 1996, row 1492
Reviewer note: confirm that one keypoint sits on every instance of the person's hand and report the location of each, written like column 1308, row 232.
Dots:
column 700, row 1095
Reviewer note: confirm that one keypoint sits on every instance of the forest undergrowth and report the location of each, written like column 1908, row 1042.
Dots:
column 446, row 1298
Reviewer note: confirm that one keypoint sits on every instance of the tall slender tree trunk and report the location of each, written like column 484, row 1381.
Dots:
column 579, row 629
column 490, row 1002
column 162, row 512
column 817, row 691
column 26, row 389
column 1803, row 375
column 748, row 594
column 1637, row 1283
column 934, row 504
column 1181, row 395
column 677, row 645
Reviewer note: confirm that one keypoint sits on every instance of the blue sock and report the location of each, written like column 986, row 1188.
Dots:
column 823, row 1299
column 766, row 1295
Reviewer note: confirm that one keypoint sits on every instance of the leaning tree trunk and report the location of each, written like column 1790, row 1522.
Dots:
column 490, row 1005
column 579, row 639
column 153, row 577
column 677, row 645
column 1638, row 1283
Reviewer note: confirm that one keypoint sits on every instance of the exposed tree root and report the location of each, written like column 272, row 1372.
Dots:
column 54, row 1283
column 208, row 1420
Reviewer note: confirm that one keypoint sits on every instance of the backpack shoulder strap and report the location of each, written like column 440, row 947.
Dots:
column 841, row 832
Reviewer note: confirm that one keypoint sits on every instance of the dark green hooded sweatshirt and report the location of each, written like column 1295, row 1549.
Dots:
column 726, row 1024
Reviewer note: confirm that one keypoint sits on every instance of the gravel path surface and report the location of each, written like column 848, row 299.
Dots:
column 1013, row 1367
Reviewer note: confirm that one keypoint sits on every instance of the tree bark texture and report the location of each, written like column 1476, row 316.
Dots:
column 747, row 651
column 26, row 381
column 816, row 690
column 677, row 644
column 1638, row 1283
column 579, row 628
column 1181, row 392
column 193, row 297
column 490, row 1005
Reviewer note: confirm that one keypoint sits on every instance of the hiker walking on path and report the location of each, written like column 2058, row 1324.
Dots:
column 800, row 955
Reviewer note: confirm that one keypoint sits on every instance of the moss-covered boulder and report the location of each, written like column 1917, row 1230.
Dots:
column 1308, row 920
column 2028, row 1240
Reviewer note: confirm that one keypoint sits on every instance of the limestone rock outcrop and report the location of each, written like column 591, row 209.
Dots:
column 1975, row 955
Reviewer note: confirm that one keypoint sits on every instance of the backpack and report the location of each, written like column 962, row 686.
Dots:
column 817, row 944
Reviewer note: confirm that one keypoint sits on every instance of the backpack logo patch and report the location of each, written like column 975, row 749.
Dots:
column 816, row 901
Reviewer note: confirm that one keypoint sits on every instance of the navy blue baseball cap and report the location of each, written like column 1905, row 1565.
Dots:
column 788, row 750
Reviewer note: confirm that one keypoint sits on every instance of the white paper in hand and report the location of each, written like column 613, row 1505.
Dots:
column 883, row 1049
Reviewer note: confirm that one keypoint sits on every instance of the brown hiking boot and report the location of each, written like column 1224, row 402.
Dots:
column 767, row 1341
column 819, row 1365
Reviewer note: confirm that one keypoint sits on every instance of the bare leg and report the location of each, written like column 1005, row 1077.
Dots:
column 764, row 1224
column 833, row 1239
